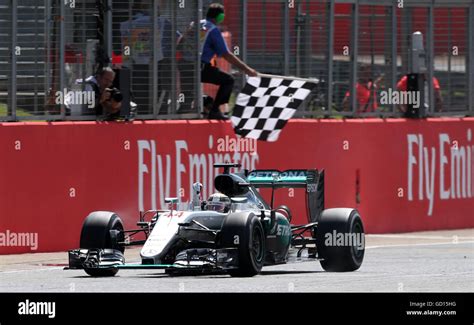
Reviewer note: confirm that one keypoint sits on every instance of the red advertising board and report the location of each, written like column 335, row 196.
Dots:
column 402, row 175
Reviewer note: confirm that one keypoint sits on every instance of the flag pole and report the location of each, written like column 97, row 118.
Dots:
column 315, row 80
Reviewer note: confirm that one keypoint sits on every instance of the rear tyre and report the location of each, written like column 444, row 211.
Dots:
column 102, row 230
column 244, row 231
column 338, row 256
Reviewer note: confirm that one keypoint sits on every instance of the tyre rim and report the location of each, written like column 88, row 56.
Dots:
column 257, row 247
column 357, row 229
column 120, row 238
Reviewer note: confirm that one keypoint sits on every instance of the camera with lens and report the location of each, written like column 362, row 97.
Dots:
column 115, row 94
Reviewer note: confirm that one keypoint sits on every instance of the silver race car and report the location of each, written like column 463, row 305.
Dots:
column 235, row 231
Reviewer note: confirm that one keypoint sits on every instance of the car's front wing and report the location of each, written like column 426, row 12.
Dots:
column 188, row 260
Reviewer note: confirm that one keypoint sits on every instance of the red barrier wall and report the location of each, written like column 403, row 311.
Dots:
column 53, row 174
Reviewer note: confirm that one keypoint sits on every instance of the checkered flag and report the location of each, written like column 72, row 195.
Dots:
column 266, row 103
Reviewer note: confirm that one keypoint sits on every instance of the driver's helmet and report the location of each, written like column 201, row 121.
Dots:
column 219, row 202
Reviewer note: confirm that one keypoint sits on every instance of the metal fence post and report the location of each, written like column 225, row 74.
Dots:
column 62, row 42
column 470, row 58
column 243, row 33
column 355, row 53
column 430, row 52
column 286, row 38
column 331, row 24
column 47, row 42
column 394, row 49
column 406, row 31
column 13, row 80
column 173, row 58
column 35, row 86
column 197, row 40
column 84, row 73
column 450, row 58
column 154, row 95
column 108, row 28
column 298, row 42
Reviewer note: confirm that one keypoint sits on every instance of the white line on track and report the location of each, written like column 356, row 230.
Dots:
column 422, row 244
column 32, row 270
column 419, row 237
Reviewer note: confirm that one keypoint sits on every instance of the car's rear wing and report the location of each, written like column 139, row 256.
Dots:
column 312, row 180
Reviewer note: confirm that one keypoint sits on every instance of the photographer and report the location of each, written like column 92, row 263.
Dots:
column 108, row 100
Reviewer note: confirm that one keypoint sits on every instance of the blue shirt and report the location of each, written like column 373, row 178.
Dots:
column 212, row 41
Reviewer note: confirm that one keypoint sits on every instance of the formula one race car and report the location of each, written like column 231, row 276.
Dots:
column 235, row 231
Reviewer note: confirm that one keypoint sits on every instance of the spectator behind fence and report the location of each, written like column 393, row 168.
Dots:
column 137, row 38
column 366, row 90
column 213, row 44
column 108, row 100
column 186, row 54
column 402, row 85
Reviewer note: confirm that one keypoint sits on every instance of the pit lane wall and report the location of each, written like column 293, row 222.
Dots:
column 403, row 175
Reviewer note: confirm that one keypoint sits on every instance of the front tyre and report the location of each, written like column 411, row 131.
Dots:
column 340, row 240
column 102, row 229
column 244, row 231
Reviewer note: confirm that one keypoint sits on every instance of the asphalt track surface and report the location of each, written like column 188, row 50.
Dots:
column 441, row 261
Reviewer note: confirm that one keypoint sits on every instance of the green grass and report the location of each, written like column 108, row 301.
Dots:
column 459, row 94
column 19, row 111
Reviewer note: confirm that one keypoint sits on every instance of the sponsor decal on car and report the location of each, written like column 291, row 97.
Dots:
column 283, row 230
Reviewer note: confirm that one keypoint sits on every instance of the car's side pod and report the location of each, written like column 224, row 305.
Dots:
column 315, row 194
